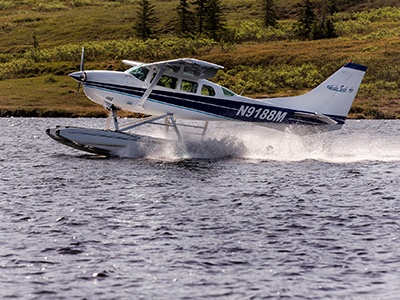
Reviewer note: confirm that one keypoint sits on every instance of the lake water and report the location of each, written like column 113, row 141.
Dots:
column 254, row 214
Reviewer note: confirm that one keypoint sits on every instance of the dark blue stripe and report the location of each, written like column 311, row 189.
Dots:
column 356, row 66
column 211, row 105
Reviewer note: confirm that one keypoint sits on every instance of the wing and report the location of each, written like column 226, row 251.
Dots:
column 132, row 63
column 194, row 67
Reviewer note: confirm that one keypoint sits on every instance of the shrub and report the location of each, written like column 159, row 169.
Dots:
column 370, row 48
column 360, row 23
column 15, row 68
column 4, row 58
column 270, row 79
column 255, row 31
column 50, row 7
column 50, row 79
column 108, row 50
column 81, row 3
column 6, row 5
column 126, row 49
column 112, row 4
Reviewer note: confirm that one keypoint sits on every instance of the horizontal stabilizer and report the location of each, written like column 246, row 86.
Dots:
column 316, row 116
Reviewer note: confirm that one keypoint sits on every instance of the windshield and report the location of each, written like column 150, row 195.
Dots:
column 139, row 72
column 228, row 92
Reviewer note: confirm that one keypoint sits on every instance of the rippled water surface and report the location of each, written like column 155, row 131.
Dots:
column 253, row 214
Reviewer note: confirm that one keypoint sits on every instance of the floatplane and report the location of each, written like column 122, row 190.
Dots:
column 180, row 89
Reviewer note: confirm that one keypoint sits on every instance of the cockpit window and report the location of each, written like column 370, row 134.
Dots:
column 189, row 86
column 228, row 93
column 139, row 72
column 207, row 90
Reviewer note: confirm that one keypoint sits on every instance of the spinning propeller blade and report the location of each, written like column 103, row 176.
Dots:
column 82, row 58
column 77, row 92
column 80, row 69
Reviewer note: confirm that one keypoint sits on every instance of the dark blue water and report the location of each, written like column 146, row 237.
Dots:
column 257, row 214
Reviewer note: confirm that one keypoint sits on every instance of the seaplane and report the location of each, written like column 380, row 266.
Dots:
column 180, row 89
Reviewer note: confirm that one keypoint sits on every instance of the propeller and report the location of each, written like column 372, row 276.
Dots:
column 81, row 70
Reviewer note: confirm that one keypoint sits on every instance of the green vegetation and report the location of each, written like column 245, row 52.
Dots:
column 41, row 41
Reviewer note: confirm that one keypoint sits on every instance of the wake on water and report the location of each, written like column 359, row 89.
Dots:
column 235, row 140
column 212, row 148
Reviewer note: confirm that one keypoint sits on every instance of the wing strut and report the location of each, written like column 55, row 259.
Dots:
column 152, row 85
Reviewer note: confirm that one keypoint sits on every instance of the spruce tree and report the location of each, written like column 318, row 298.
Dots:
column 145, row 20
column 332, row 7
column 184, row 23
column 200, row 8
column 306, row 18
column 36, row 45
column 269, row 13
column 214, row 23
column 323, row 27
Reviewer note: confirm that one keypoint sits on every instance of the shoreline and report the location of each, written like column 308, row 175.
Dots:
column 57, row 113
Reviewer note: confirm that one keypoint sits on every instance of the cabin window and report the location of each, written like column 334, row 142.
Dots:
column 207, row 90
column 139, row 72
column 189, row 86
column 166, row 81
column 228, row 93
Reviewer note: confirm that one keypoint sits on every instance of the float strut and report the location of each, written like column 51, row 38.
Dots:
column 111, row 115
column 114, row 114
column 108, row 123
column 175, row 127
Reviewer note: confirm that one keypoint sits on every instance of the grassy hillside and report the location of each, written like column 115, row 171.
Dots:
column 259, row 62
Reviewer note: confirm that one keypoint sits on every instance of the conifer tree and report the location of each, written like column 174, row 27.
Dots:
column 332, row 7
column 145, row 20
column 305, row 18
column 323, row 27
column 185, row 22
column 214, row 23
column 269, row 13
column 36, row 45
column 200, row 8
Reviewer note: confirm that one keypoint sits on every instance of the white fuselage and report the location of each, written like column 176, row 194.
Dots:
column 117, row 88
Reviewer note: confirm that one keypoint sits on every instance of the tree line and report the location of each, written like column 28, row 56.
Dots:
column 206, row 17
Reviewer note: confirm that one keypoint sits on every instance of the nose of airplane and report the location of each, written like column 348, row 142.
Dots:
column 78, row 76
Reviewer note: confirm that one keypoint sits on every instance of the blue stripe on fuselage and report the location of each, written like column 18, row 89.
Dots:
column 139, row 94
column 221, row 108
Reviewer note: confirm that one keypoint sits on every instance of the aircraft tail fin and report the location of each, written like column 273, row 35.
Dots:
column 332, row 98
